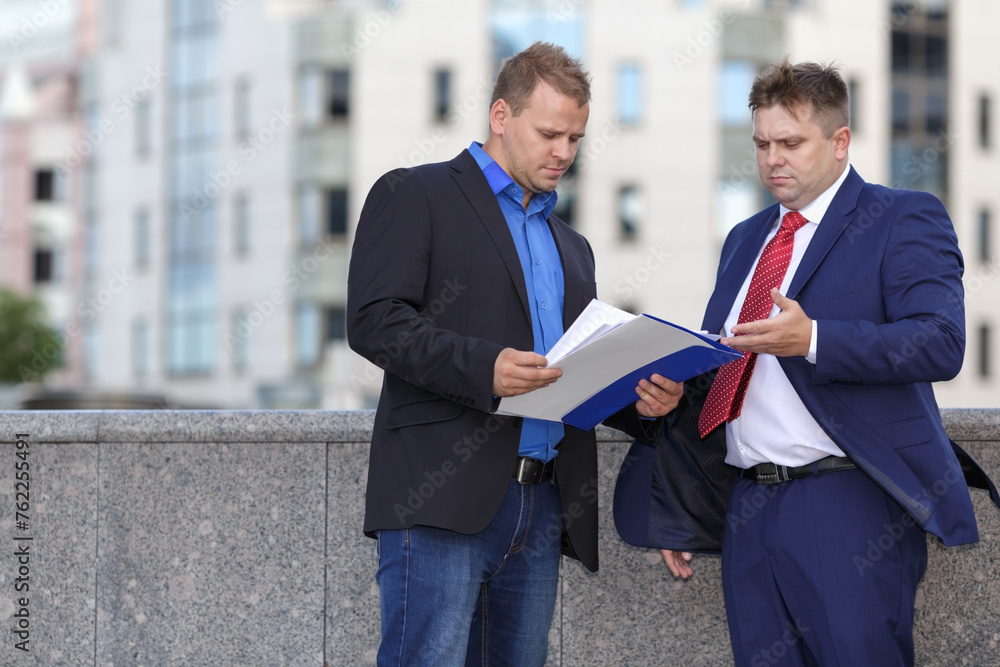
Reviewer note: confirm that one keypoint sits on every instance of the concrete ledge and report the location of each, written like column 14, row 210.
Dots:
column 233, row 538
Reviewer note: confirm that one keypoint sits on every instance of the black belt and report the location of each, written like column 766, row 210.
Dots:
column 533, row 471
column 772, row 473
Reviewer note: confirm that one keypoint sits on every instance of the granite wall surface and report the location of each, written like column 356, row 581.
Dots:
column 233, row 538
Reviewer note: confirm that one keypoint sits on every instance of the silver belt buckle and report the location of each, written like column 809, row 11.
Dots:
column 525, row 475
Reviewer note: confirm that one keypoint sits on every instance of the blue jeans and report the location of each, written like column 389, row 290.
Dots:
column 481, row 599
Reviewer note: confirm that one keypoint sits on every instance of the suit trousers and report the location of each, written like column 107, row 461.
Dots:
column 821, row 570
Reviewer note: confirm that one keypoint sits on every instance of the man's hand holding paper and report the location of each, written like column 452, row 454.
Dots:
column 516, row 372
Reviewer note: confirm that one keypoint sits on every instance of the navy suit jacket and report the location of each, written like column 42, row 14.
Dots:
column 435, row 292
column 882, row 277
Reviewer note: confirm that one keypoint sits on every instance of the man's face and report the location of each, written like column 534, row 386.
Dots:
column 538, row 146
column 795, row 161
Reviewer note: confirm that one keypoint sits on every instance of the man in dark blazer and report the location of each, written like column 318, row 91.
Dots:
column 460, row 279
column 835, row 459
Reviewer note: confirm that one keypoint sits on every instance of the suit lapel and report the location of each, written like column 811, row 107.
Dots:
column 838, row 216
column 736, row 268
column 571, row 288
column 471, row 181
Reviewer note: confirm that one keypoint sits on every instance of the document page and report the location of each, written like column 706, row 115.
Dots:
column 597, row 319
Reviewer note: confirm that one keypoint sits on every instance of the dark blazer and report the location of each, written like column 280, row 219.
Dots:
column 435, row 292
column 883, row 279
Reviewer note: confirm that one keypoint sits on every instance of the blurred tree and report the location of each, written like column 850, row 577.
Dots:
column 28, row 347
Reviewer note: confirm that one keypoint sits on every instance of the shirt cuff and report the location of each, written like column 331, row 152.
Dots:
column 811, row 357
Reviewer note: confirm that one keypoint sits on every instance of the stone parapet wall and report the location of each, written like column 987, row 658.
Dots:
column 233, row 538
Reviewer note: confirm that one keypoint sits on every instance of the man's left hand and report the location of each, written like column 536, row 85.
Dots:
column 787, row 334
column 658, row 396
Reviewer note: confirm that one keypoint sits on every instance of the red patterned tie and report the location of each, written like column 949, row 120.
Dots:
column 725, row 397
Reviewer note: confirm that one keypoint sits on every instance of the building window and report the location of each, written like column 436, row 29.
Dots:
column 308, row 210
column 735, row 80
column 140, row 349
column 565, row 208
column 630, row 94
column 336, row 324
column 338, row 93
column 900, row 111
column 239, row 342
column 91, row 243
column 935, row 119
column 984, row 121
column 920, row 103
column 47, row 186
column 985, row 233
column 853, row 88
column 336, row 212
column 143, row 127
column 191, row 320
column 142, row 237
column 321, row 211
column 241, row 224
column 442, row 94
column 308, row 336
column 91, row 352
column 241, row 108
column 44, row 265
column 984, row 350
column 311, row 96
column 629, row 212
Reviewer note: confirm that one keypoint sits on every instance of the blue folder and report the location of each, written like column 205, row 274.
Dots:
column 600, row 377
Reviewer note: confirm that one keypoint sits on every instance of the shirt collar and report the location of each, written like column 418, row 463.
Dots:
column 816, row 209
column 499, row 180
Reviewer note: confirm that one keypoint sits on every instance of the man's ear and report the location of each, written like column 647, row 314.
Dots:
column 499, row 113
column 841, row 142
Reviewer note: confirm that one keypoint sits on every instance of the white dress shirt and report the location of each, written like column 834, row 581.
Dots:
column 774, row 425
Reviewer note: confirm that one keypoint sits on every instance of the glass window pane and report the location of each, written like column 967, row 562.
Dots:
column 735, row 79
column 900, row 52
column 985, row 233
column 241, row 223
column 937, row 56
column 336, row 324
column 307, row 333
column 630, row 94
column 442, row 94
column 629, row 212
column 336, row 212
column 339, row 94
column 309, row 213
column 984, row 121
column 935, row 114
column 310, row 96
column 140, row 349
column 900, row 111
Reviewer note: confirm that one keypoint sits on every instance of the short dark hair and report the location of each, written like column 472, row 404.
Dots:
column 820, row 87
column 550, row 63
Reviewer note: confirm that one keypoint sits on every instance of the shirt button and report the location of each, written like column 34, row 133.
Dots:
column 742, row 448
column 544, row 307
column 537, row 261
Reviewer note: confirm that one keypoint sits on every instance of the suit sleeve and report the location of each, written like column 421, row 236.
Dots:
column 390, row 321
column 921, row 334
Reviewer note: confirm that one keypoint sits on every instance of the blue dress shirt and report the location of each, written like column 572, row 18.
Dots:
column 543, row 277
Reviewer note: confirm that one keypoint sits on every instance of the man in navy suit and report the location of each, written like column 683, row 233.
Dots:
column 461, row 278
column 836, row 456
